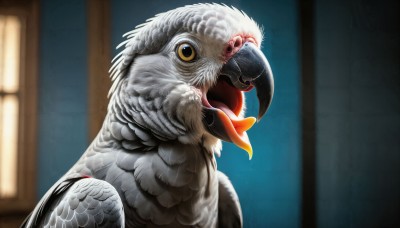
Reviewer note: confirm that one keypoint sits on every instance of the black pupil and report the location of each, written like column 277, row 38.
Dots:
column 186, row 51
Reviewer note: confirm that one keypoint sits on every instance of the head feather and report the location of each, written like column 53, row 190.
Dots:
column 215, row 21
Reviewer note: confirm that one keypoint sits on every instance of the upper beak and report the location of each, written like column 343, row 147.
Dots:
column 246, row 69
column 249, row 67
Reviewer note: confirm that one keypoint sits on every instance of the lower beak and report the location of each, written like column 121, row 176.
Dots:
column 246, row 69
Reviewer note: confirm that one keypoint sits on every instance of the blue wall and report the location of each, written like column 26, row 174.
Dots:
column 62, row 135
column 269, row 184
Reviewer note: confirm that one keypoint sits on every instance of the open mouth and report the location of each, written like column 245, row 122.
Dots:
column 224, row 97
column 223, row 104
column 227, row 103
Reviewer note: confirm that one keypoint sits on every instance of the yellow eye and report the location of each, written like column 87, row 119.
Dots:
column 186, row 52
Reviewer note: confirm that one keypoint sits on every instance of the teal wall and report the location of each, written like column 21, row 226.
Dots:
column 63, row 89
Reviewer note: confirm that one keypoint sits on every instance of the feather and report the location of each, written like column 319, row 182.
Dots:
column 37, row 216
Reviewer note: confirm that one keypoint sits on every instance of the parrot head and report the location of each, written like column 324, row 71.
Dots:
column 183, row 75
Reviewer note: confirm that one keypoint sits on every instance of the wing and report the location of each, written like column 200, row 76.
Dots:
column 229, row 210
column 83, row 202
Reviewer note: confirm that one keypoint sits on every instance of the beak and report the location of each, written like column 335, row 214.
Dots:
column 246, row 69
column 249, row 67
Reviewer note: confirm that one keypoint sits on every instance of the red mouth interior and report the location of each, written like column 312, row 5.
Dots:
column 226, row 98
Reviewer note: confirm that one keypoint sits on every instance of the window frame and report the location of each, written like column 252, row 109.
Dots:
column 99, row 62
column 23, row 203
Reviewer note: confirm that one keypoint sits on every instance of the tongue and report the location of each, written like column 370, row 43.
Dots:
column 235, row 127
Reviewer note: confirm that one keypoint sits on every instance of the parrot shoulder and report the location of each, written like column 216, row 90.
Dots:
column 79, row 202
column 229, row 210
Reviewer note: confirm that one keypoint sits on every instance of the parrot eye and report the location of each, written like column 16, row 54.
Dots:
column 186, row 52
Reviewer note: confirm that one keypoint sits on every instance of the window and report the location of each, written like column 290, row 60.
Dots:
column 10, row 42
column 18, row 105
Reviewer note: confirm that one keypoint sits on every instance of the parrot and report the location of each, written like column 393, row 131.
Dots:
column 178, row 89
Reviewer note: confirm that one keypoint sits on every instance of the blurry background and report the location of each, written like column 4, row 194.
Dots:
column 326, row 155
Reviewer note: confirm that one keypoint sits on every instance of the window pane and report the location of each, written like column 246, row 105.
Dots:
column 10, row 39
column 8, row 146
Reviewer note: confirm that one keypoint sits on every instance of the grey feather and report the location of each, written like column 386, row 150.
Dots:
column 229, row 210
column 88, row 202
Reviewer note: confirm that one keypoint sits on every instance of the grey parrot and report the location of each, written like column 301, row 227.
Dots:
column 178, row 90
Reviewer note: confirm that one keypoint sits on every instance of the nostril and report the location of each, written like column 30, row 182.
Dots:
column 233, row 46
column 238, row 42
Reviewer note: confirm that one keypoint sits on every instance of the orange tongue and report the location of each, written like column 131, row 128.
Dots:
column 236, row 130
